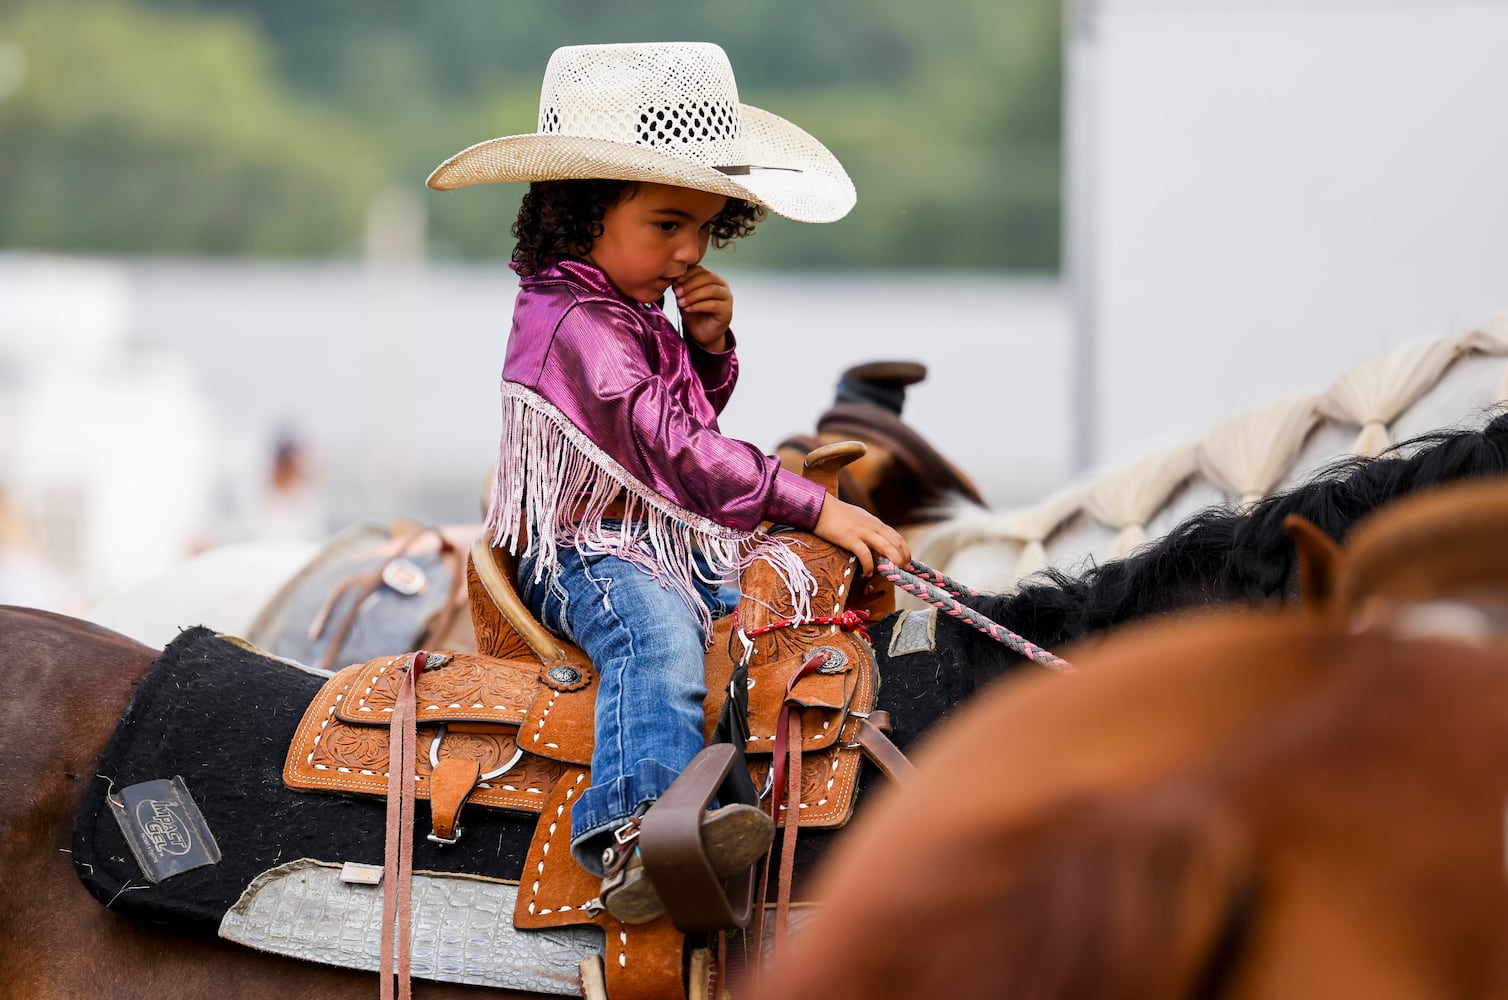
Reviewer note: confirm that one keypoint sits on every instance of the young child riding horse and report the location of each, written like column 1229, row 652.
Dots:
column 633, row 510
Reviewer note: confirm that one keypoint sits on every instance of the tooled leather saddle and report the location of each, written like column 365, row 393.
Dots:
column 510, row 727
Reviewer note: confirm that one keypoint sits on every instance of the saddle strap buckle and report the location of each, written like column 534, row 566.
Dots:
column 451, row 782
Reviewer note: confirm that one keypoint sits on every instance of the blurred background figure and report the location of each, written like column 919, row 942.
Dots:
column 292, row 506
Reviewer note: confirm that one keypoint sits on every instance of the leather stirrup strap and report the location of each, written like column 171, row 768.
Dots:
column 398, row 851
column 877, row 746
column 788, row 838
column 455, row 600
column 779, row 774
column 785, row 768
column 369, row 582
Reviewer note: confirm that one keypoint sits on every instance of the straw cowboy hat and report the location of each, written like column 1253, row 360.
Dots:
column 666, row 112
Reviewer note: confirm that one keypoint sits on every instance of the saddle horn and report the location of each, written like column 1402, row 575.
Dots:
column 822, row 464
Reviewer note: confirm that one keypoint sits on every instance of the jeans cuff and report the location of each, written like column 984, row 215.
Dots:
column 603, row 808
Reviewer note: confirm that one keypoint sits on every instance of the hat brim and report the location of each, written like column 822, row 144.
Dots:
column 789, row 171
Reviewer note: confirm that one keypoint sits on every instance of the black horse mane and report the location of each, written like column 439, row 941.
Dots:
column 1221, row 556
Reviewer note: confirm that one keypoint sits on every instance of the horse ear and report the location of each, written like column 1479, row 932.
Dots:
column 1123, row 898
column 1319, row 557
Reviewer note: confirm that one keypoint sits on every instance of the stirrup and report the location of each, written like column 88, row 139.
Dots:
column 670, row 844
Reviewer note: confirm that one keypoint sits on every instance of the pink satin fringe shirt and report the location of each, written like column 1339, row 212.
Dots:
column 606, row 405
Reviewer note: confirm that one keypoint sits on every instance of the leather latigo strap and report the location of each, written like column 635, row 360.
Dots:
column 398, row 848
column 874, row 739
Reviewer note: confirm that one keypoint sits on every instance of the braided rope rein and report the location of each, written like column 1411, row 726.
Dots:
column 943, row 593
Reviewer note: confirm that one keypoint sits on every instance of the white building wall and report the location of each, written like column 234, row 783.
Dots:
column 107, row 452
column 1263, row 192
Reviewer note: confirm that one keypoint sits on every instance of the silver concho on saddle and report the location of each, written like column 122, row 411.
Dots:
column 511, row 727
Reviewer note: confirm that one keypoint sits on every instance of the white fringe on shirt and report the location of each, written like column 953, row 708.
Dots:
column 549, row 472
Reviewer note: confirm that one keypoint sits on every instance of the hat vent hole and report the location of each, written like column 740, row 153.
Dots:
column 685, row 122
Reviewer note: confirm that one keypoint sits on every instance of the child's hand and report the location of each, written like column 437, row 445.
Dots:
column 706, row 305
column 861, row 533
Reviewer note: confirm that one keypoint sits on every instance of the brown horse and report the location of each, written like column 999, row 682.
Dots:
column 72, row 680
column 69, row 682
column 1299, row 804
column 1243, row 807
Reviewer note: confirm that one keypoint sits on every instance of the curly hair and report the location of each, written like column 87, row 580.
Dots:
column 562, row 219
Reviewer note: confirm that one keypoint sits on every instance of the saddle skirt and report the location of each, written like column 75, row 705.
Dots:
column 473, row 710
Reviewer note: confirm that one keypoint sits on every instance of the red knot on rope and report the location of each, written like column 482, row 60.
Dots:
column 850, row 620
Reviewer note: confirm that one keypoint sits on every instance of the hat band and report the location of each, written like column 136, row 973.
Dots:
column 743, row 169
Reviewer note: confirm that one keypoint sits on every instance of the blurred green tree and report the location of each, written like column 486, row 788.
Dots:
column 136, row 131
column 266, row 127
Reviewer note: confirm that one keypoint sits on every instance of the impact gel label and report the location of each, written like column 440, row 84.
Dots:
column 164, row 827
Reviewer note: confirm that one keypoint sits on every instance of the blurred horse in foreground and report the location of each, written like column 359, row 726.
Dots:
column 1302, row 803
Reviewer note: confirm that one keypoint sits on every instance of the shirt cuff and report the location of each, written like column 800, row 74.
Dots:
column 716, row 369
column 795, row 501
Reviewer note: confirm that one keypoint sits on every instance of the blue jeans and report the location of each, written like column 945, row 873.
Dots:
column 648, row 649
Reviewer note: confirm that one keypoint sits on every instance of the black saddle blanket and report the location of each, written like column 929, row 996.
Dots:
column 221, row 717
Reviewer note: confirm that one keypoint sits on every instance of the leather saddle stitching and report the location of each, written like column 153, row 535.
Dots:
column 539, row 873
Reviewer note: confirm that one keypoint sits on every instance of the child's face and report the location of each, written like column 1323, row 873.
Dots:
column 653, row 237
